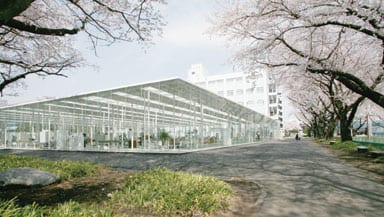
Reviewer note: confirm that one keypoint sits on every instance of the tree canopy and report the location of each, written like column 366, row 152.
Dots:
column 36, row 36
column 342, row 39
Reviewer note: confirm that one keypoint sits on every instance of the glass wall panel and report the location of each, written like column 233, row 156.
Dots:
column 160, row 116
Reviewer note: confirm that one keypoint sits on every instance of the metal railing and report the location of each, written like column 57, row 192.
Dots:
column 376, row 141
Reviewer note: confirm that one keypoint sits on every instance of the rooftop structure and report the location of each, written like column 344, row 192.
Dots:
column 164, row 115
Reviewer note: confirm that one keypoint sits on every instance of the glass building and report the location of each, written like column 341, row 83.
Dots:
column 169, row 115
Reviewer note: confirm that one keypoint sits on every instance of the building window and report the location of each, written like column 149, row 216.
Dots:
column 272, row 99
column 239, row 92
column 231, row 80
column 260, row 89
column 220, row 93
column 272, row 111
column 200, row 84
column 211, row 82
column 250, row 103
column 249, row 91
column 272, row 88
column 215, row 82
column 260, row 102
column 230, row 92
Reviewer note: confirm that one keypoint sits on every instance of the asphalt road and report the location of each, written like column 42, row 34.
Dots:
column 298, row 178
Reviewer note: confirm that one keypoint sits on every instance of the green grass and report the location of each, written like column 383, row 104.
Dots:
column 9, row 209
column 66, row 209
column 350, row 146
column 65, row 169
column 158, row 192
column 75, row 209
column 169, row 193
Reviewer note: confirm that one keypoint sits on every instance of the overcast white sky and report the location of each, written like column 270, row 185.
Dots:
column 184, row 42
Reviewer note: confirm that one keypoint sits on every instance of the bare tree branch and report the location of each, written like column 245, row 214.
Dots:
column 36, row 37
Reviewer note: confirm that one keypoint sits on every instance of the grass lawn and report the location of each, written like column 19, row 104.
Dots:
column 88, row 189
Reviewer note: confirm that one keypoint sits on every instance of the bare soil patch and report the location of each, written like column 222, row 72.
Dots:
column 95, row 189
column 246, row 200
column 84, row 189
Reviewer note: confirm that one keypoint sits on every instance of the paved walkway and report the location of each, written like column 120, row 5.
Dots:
column 298, row 178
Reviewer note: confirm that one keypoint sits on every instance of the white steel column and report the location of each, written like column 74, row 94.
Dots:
column 144, row 120
column 121, row 132
column 49, row 127
column 201, row 124
column 174, row 115
column 194, row 123
column 149, row 118
column 109, row 126
column 5, row 135
column 132, row 127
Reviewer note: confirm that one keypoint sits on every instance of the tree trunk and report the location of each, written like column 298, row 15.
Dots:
column 345, row 132
column 330, row 129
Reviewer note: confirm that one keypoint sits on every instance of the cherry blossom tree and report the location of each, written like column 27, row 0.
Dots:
column 314, row 107
column 36, row 36
column 316, row 117
column 324, row 103
column 342, row 39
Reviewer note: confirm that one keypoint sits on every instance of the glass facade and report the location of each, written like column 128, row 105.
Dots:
column 165, row 115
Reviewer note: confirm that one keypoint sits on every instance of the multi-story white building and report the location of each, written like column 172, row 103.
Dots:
column 258, row 93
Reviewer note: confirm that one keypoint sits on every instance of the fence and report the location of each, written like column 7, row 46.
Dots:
column 376, row 141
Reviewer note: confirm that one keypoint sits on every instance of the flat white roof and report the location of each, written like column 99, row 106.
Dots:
column 172, row 100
